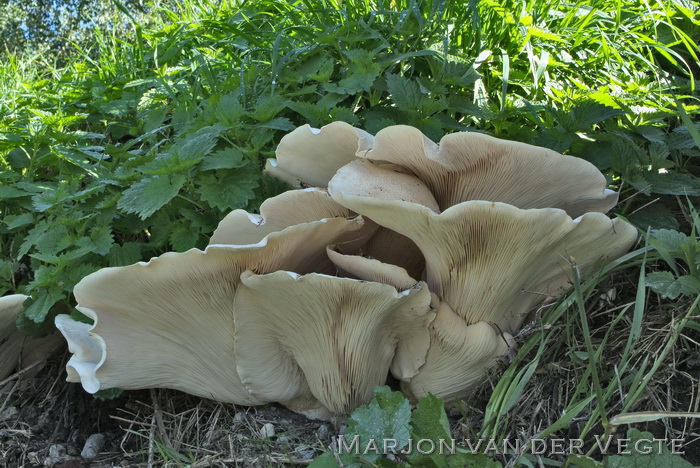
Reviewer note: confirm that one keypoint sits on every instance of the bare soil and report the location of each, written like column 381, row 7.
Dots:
column 45, row 422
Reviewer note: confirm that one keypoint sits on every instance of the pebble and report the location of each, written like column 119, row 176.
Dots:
column 267, row 431
column 93, row 446
column 9, row 413
column 323, row 432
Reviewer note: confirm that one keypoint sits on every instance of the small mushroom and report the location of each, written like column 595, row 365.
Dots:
column 170, row 322
column 370, row 269
column 473, row 166
column 320, row 344
column 277, row 213
column 310, row 156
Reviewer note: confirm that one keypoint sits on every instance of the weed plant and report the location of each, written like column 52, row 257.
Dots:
column 141, row 143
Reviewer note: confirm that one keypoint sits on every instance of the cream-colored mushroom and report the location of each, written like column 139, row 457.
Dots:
column 309, row 157
column 320, row 344
column 370, row 269
column 491, row 261
column 10, row 338
column 459, row 356
column 473, row 166
column 277, row 213
column 170, row 322
column 18, row 350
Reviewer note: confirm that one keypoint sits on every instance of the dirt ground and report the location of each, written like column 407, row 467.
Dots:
column 47, row 422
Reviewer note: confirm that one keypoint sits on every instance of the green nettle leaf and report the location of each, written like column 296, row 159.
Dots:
column 199, row 144
column 17, row 221
column 228, row 191
column 407, row 95
column 37, row 307
column 668, row 239
column 429, row 420
column 280, row 123
column 125, row 254
column 645, row 453
column 183, row 238
column 664, row 283
column 387, row 416
column 228, row 158
column 147, row 196
column 101, row 240
column 48, row 237
column 589, row 113
column 17, row 159
column 8, row 191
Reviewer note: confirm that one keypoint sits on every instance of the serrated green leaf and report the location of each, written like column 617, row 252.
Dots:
column 183, row 238
column 228, row 191
column 588, row 113
column 48, row 238
column 17, row 221
column 228, row 158
column 147, row 196
column 199, row 144
column 8, row 191
column 280, row 123
column 664, row 283
column 429, row 420
column 670, row 240
column 37, row 307
column 125, row 254
column 387, row 416
column 17, row 159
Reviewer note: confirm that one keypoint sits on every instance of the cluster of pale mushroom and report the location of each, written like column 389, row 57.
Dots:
column 407, row 258
column 18, row 351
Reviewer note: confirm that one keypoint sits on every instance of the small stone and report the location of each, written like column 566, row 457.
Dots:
column 9, row 413
column 267, row 431
column 57, row 451
column 93, row 446
column 239, row 417
column 323, row 432
column 283, row 440
column 305, row 452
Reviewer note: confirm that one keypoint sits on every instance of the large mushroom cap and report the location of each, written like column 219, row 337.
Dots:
column 492, row 261
column 473, row 166
column 170, row 322
column 309, row 156
column 320, row 344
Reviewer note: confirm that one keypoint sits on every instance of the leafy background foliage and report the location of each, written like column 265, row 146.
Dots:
column 131, row 129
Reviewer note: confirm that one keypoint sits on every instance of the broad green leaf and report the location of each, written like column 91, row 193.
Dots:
column 147, row 196
column 386, row 417
column 228, row 191
column 429, row 420
column 8, row 191
column 228, row 158
column 588, row 113
column 125, row 254
column 199, row 144
column 183, row 238
column 17, row 159
column 37, row 307
column 18, row 221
